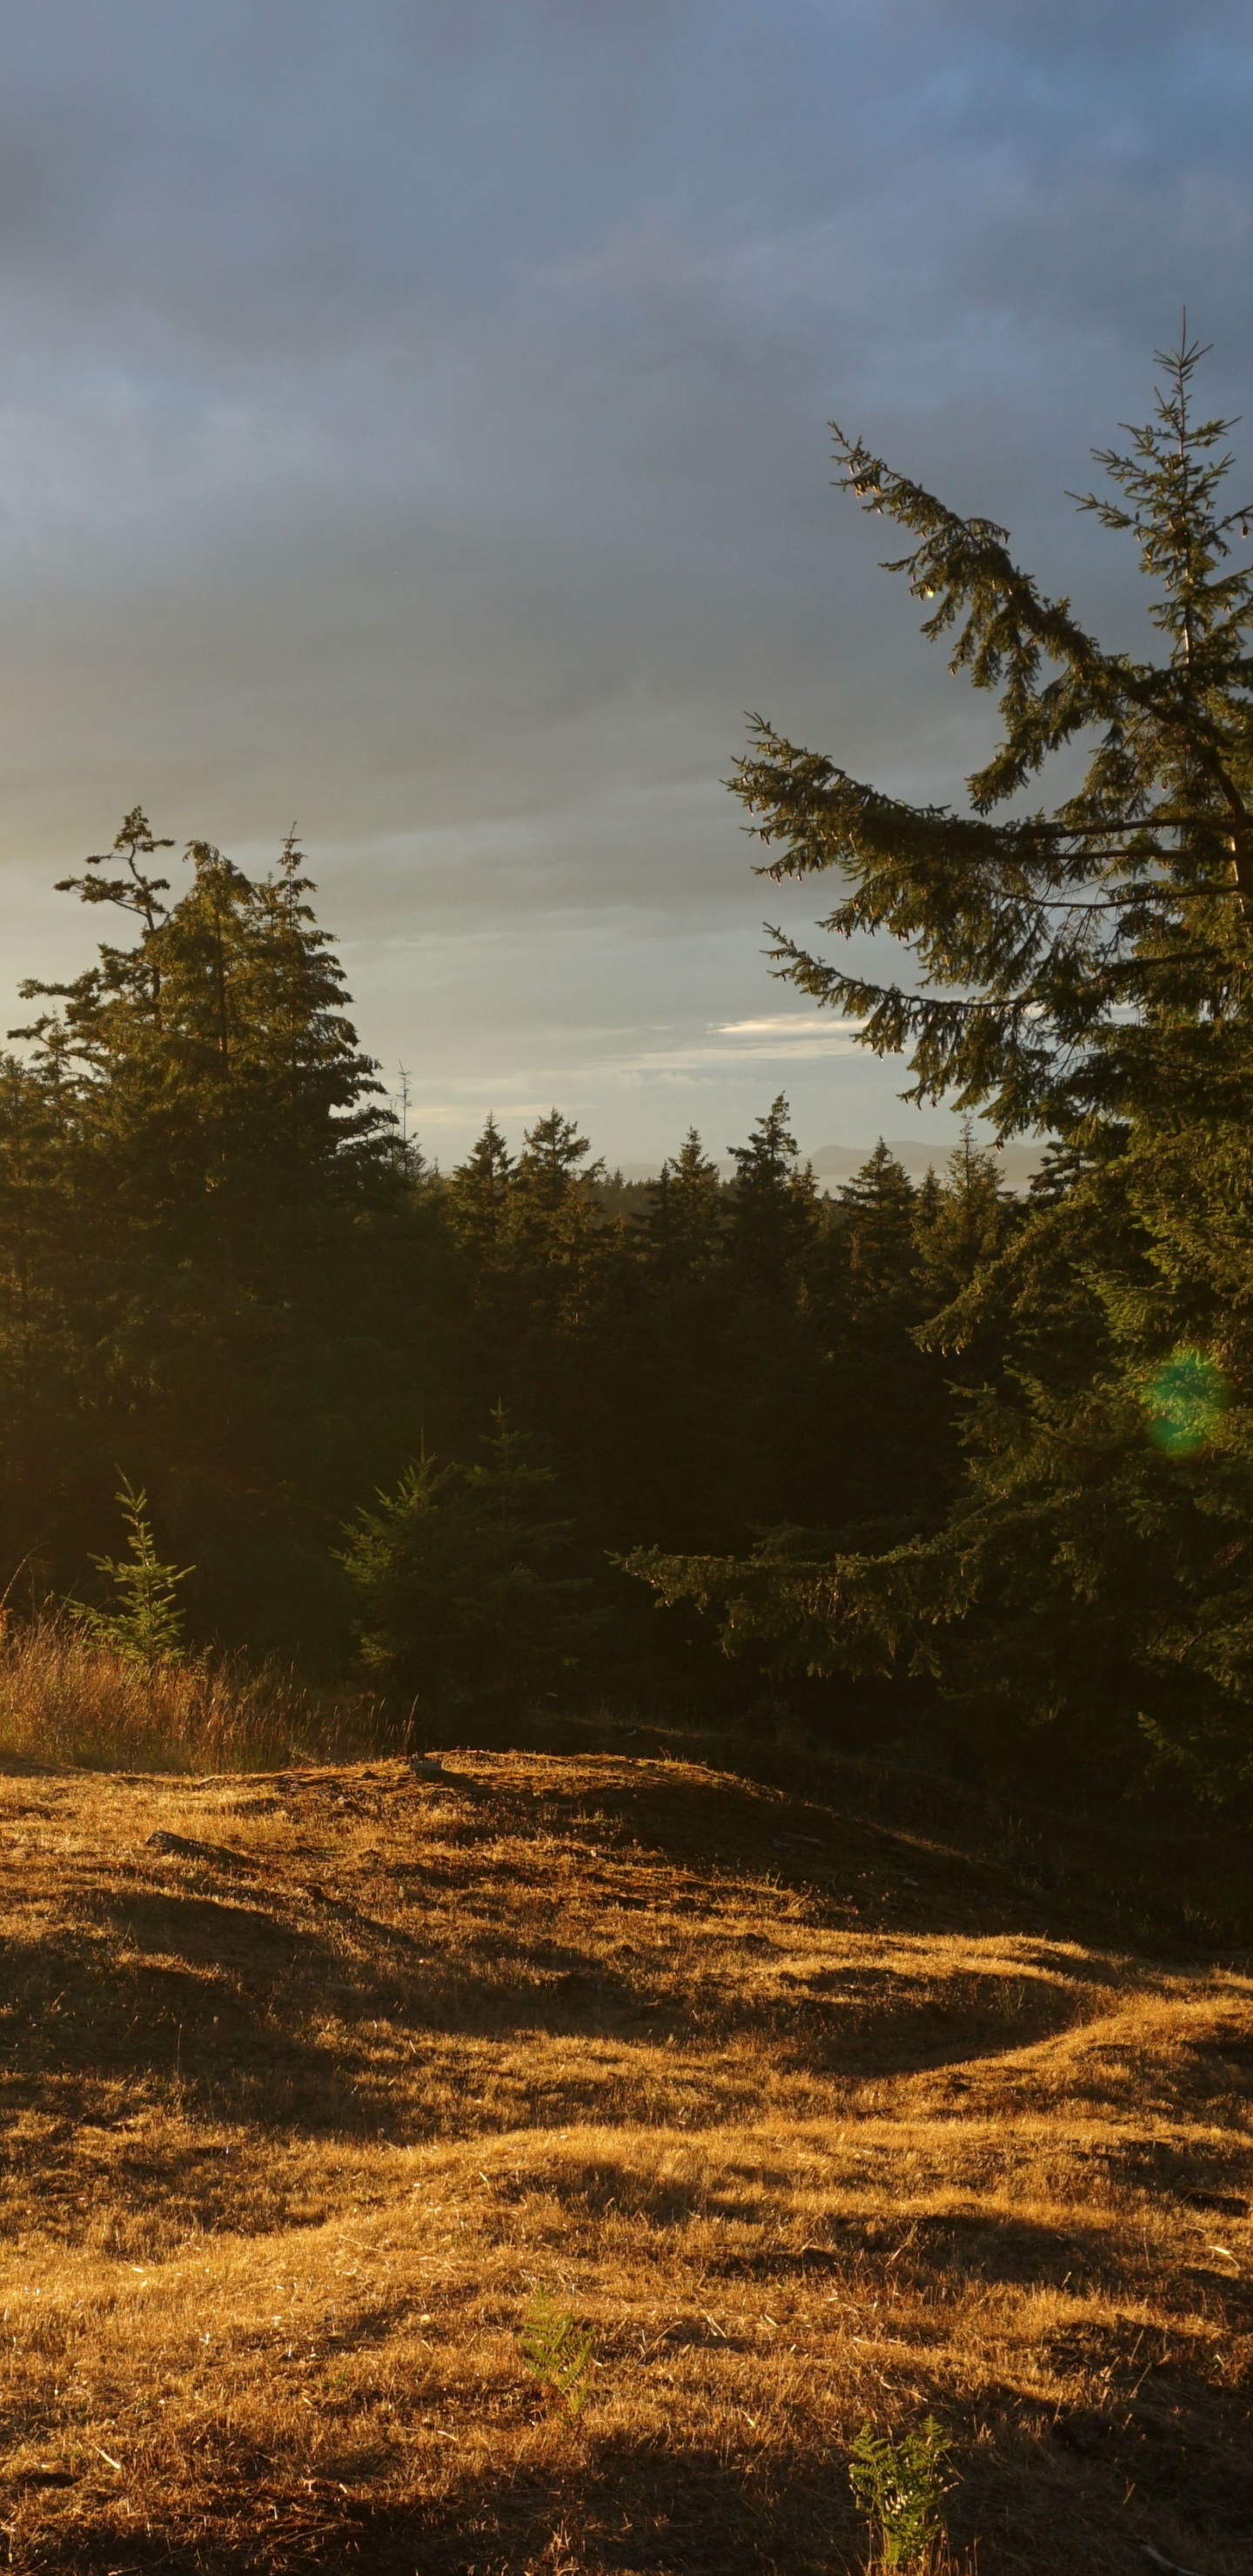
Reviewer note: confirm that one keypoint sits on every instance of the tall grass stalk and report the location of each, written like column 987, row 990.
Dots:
column 79, row 1702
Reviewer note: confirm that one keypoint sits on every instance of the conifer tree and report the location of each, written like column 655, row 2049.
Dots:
column 890, row 1422
column 964, row 1229
column 462, row 1580
column 774, row 1203
column 219, row 1079
column 555, row 1220
column 216, row 1160
column 1073, row 967
column 143, row 1622
column 878, row 1238
column 479, row 1192
column 1083, row 971
column 550, row 1167
column 685, row 1224
column 36, row 1105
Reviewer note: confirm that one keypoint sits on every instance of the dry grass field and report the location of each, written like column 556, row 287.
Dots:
column 311, row 2078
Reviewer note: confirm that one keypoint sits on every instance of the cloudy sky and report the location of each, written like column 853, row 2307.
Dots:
column 413, row 421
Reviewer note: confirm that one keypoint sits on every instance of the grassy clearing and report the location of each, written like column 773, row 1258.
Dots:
column 809, row 2121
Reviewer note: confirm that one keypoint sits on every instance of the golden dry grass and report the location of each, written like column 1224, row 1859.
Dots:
column 69, row 1697
column 812, row 2121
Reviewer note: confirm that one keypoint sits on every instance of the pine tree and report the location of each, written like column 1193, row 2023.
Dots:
column 219, row 1080
column 685, row 1224
column 1093, row 961
column 964, row 1229
column 479, row 1194
column 557, row 1241
column 36, row 1197
column 774, row 1202
column 143, row 1622
column 462, row 1579
column 550, row 1167
column 219, row 1198
column 878, row 1233
column 1085, row 972
column 890, row 1417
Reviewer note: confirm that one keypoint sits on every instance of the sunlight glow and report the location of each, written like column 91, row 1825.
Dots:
column 1185, row 1401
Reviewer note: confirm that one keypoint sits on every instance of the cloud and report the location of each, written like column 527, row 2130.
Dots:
column 413, row 419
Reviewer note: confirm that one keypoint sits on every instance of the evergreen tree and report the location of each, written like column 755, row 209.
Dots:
column 878, row 1239
column 479, row 1194
column 35, row 1198
column 550, row 1165
column 1085, row 972
column 685, row 1224
column 890, row 1425
column 555, row 1222
column 1105, row 943
column 219, row 1190
column 461, row 1577
column 967, row 1220
column 219, row 1080
column 143, row 1622
column 774, row 1203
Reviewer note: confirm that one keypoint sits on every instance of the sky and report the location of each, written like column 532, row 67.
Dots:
column 413, row 423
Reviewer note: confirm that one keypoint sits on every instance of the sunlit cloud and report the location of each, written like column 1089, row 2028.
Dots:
column 789, row 1034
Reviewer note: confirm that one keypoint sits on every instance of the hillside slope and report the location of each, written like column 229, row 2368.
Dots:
column 309, row 2080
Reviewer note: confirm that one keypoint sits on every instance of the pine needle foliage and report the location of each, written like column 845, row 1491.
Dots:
column 1055, row 950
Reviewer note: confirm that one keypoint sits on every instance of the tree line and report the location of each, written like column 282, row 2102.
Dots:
column 414, row 1417
column 928, row 1465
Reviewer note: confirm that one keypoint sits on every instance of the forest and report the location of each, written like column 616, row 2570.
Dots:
column 935, row 1470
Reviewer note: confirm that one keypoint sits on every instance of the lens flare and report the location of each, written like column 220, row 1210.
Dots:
column 1185, row 1401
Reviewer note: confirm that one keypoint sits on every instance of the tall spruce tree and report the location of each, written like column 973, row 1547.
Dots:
column 774, row 1204
column 1074, row 968
column 555, row 1227
column 878, row 1207
column 684, row 1225
column 199, row 1169
column 479, row 1195
column 1084, row 972
column 219, row 1080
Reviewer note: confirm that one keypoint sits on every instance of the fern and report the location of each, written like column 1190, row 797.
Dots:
column 900, row 2487
column 557, row 2351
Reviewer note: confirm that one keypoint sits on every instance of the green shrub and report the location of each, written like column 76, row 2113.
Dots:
column 557, row 2351
column 900, row 2487
column 143, row 1623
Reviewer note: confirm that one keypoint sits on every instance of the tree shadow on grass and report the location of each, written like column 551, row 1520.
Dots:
column 262, row 2008
column 622, row 2509
column 232, row 1995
